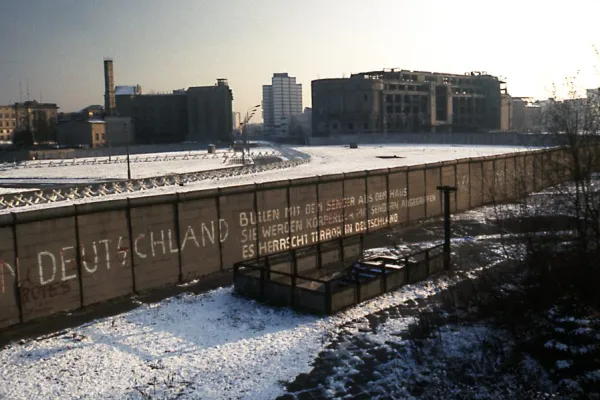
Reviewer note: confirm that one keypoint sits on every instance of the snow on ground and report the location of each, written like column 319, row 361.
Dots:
column 214, row 345
column 343, row 159
column 324, row 160
column 11, row 190
column 118, row 170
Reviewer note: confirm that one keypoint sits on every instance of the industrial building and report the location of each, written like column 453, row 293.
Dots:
column 90, row 133
column 124, row 96
column 160, row 118
column 282, row 100
column 393, row 100
column 202, row 113
column 210, row 112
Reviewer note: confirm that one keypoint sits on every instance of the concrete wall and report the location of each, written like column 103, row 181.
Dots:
column 60, row 259
column 20, row 155
column 489, row 138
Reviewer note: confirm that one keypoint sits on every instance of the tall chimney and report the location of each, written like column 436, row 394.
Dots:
column 109, row 87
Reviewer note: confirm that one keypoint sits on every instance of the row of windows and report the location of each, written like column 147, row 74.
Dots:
column 97, row 136
column 7, row 124
column 7, row 115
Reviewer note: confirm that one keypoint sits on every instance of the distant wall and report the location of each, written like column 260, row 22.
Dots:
column 489, row 138
column 60, row 259
column 22, row 155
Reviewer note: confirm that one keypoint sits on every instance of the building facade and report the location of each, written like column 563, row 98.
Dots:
column 119, row 131
column 393, row 100
column 210, row 112
column 89, row 133
column 124, row 96
column 282, row 100
column 160, row 118
column 526, row 115
column 8, row 123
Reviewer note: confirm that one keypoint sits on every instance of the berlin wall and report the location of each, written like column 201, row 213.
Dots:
column 61, row 259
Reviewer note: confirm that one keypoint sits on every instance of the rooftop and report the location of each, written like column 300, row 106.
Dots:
column 125, row 90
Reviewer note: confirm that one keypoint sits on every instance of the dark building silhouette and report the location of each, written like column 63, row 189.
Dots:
column 406, row 101
column 210, row 112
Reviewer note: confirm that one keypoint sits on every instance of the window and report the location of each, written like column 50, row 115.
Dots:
column 103, row 136
column 366, row 97
column 366, row 125
column 351, row 126
column 97, row 136
column 334, row 126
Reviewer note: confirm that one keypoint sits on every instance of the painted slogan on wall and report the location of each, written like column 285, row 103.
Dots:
column 279, row 230
column 255, row 233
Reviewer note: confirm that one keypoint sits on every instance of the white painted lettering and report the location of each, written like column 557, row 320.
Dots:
column 84, row 259
column 49, row 255
column 208, row 233
column 155, row 242
column 171, row 249
column 106, row 243
column 64, row 261
column 189, row 235
column 136, row 248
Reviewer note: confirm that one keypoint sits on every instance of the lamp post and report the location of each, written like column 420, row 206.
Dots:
column 127, row 151
column 249, row 114
column 446, row 190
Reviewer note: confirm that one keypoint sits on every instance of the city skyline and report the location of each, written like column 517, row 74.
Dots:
column 55, row 48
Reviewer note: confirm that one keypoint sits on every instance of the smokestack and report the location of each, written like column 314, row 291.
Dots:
column 109, row 87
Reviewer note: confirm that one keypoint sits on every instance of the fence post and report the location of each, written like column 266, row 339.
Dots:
column 446, row 191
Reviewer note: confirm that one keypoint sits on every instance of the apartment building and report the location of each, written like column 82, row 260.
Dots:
column 8, row 123
column 282, row 100
column 395, row 100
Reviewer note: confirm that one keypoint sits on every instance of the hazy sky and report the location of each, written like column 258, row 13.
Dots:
column 59, row 45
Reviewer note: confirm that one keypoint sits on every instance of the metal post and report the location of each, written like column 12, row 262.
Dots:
column 447, row 232
column 127, row 150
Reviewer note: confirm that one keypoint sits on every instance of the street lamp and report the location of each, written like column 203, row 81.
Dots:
column 249, row 114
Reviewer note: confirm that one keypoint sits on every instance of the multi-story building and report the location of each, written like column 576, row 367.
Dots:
column 160, row 118
column 89, row 133
column 124, row 96
column 407, row 101
column 526, row 115
column 30, row 113
column 210, row 112
column 8, row 123
column 282, row 100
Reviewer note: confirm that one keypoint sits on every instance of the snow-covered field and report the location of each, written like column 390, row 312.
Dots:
column 98, row 168
column 213, row 346
column 325, row 160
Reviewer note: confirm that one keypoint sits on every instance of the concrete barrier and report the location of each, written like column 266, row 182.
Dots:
column 63, row 258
